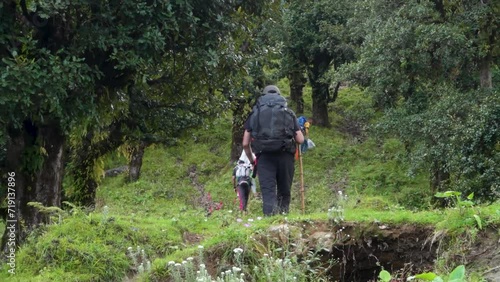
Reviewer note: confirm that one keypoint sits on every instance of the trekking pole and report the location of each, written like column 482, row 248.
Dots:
column 302, row 194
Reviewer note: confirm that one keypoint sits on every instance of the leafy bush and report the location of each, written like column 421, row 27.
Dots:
column 94, row 252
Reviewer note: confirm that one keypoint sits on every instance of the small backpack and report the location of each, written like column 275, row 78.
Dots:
column 302, row 122
column 243, row 173
column 272, row 124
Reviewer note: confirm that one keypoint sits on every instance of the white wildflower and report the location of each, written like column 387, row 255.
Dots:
column 141, row 268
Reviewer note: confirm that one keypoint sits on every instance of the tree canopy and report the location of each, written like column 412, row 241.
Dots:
column 147, row 69
column 429, row 65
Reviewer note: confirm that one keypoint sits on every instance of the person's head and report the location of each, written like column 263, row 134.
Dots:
column 271, row 89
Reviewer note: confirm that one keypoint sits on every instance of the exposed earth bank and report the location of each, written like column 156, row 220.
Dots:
column 356, row 252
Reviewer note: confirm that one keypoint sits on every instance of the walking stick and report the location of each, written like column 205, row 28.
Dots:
column 302, row 196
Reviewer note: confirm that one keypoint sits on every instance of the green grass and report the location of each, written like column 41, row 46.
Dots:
column 160, row 211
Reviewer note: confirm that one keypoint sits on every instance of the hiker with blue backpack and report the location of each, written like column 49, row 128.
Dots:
column 305, row 124
column 272, row 133
column 302, row 120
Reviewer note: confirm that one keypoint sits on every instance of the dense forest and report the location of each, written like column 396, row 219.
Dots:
column 80, row 80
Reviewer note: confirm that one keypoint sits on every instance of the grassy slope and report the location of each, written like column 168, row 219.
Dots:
column 161, row 210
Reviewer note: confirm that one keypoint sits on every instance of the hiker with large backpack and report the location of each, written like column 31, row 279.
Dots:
column 272, row 133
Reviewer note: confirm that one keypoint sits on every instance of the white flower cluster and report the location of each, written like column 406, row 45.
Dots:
column 185, row 270
column 139, row 259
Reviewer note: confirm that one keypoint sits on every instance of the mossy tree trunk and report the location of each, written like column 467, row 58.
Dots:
column 83, row 161
column 35, row 155
column 297, row 83
column 135, row 164
column 320, row 90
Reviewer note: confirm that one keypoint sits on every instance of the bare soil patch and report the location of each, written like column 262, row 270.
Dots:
column 361, row 250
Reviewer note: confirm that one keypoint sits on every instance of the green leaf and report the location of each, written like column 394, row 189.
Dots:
column 466, row 203
column 478, row 221
column 471, row 196
column 384, row 275
column 447, row 194
column 458, row 274
column 428, row 276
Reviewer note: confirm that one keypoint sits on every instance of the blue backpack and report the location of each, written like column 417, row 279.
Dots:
column 302, row 121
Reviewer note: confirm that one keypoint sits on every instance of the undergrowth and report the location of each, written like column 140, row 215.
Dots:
column 351, row 175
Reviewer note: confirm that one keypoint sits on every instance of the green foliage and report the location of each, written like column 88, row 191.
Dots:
column 89, row 254
column 156, row 70
column 161, row 211
column 457, row 201
column 94, row 247
column 463, row 143
column 466, row 207
column 384, row 276
column 313, row 41
column 420, row 60
column 457, row 275
column 313, row 28
column 250, row 259
column 144, row 71
column 33, row 158
column 46, row 80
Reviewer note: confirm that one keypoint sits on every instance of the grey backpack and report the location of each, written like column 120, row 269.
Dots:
column 272, row 124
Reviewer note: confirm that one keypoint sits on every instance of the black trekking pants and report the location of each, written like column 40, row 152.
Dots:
column 275, row 171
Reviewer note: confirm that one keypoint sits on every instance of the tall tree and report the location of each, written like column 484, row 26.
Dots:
column 313, row 35
column 61, row 61
column 257, row 52
column 297, row 81
column 423, row 61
